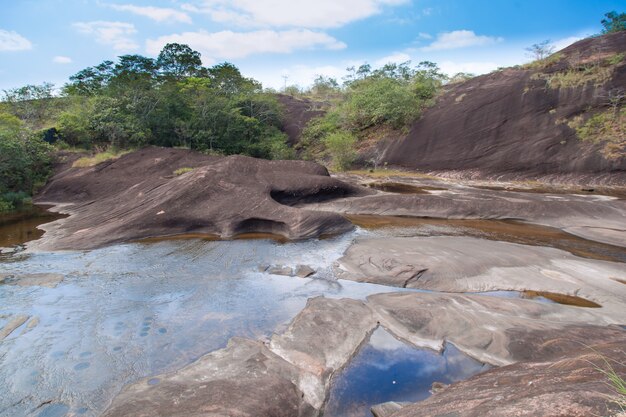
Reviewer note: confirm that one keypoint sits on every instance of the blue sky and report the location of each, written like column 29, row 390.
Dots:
column 49, row 40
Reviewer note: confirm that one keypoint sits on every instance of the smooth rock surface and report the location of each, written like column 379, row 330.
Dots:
column 321, row 339
column 466, row 264
column 288, row 378
column 243, row 379
column 304, row 271
column 484, row 327
column 138, row 196
column 572, row 385
column 49, row 280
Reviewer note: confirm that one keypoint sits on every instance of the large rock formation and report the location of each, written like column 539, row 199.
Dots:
column 511, row 123
column 139, row 196
column 556, row 385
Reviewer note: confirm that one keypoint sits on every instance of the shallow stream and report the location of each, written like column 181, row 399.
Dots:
column 128, row 311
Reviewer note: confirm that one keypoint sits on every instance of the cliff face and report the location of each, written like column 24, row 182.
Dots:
column 521, row 122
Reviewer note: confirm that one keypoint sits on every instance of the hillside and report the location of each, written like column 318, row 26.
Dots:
column 521, row 122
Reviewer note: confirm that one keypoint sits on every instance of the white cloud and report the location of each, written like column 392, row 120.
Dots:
column 159, row 14
column 116, row 34
column 565, row 42
column 460, row 39
column 424, row 35
column 231, row 45
column 62, row 59
column 289, row 13
column 13, row 41
column 396, row 58
column 477, row 68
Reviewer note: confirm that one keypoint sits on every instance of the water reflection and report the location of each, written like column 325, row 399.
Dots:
column 386, row 369
column 130, row 311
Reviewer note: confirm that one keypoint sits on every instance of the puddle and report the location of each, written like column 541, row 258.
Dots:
column 501, row 230
column 544, row 297
column 130, row 311
column 401, row 188
column 386, row 369
column 619, row 193
column 20, row 227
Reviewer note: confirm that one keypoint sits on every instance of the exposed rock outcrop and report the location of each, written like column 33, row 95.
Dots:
column 572, row 385
column 512, row 124
column 138, row 196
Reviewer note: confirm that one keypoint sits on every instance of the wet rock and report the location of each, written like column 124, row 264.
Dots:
column 598, row 218
column 136, row 196
column 437, row 387
column 243, row 379
column 571, row 384
column 48, row 280
column 280, row 270
column 465, row 264
column 288, row 378
column 501, row 328
column 263, row 268
column 13, row 323
column 388, row 408
column 321, row 339
column 304, row 271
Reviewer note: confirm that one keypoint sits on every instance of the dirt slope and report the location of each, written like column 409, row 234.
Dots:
column 513, row 123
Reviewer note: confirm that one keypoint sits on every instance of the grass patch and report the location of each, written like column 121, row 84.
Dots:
column 541, row 64
column 597, row 73
column 184, row 170
column 89, row 161
column 385, row 173
column 608, row 127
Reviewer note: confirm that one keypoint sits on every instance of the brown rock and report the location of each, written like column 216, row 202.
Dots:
column 137, row 196
column 304, row 271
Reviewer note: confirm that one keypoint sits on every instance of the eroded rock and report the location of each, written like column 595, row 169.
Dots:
column 304, row 271
column 484, row 327
column 243, row 379
column 572, row 385
column 137, row 196
column 465, row 264
column 49, row 280
column 13, row 323
column 288, row 378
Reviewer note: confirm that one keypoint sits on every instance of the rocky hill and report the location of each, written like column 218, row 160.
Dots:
column 522, row 122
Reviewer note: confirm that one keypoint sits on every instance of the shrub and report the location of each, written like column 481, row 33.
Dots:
column 181, row 171
column 340, row 146
column 89, row 161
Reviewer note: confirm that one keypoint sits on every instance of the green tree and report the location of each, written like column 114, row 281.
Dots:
column 541, row 50
column 178, row 61
column 340, row 146
column 613, row 22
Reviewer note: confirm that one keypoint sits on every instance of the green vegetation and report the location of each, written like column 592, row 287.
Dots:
column 108, row 155
column 168, row 101
column 137, row 101
column 390, row 98
column 607, row 127
column 595, row 72
column 181, row 171
column 25, row 162
column 614, row 22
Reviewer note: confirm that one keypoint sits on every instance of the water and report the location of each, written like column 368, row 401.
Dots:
column 130, row 311
column 19, row 227
column 386, row 369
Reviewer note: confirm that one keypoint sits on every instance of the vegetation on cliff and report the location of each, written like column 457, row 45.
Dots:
column 389, row 98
